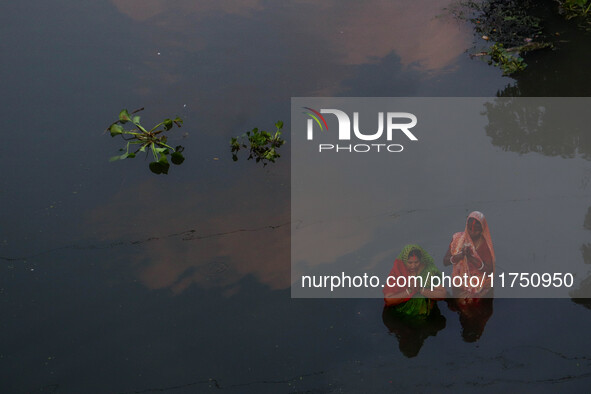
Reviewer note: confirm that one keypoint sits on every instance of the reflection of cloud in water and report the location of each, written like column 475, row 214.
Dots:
column 384, row 78
column 326, row 222
column 373, row 29
column 326, row 241
column 146, row 9
column 358, row 33
column 231, row 62
column 229, row 238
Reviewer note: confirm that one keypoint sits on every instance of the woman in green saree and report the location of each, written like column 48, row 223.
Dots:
column 408, row 288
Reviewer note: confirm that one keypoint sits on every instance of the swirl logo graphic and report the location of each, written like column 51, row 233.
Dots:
column 317, row 117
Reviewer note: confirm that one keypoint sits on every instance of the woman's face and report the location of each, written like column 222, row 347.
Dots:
column 414, row 265
column 474, row 229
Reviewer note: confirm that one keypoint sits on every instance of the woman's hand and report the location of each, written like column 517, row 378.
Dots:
column 475, row 261
column 437, row 293
column 456, row 258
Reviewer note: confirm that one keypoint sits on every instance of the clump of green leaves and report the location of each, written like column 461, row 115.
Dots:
column 499, row 57
column 575, row 8
column 154, row 140
column 579, row 10
column 261, row 144
column 509, row 22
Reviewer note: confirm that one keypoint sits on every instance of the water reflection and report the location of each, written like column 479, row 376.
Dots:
column 587, row 222
column 474, row 314
column 296, row 40
column 546, row 75
column 362, row 31
column 525, row 126
column 581, row 295
column 412, row 332
column 538, row 125
column 147, row 9
column 215, row 245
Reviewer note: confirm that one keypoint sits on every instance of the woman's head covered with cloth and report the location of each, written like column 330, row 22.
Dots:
column 476, row 227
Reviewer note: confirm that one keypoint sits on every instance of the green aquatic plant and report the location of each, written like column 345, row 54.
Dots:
column 154, row 140
column 579, row 10
column 500, row 57
column 576, row 8
column 509, row 22
column 261, row 144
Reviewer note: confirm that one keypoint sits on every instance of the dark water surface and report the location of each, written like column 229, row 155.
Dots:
column 115, row 280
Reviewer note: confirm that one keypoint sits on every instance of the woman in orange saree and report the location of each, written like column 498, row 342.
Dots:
column 471, row 253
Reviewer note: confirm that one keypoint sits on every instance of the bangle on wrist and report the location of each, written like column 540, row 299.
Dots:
column 451, row 260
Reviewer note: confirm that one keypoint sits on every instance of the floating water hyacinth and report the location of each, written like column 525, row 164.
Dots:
column 154, row 140
column 261, row 144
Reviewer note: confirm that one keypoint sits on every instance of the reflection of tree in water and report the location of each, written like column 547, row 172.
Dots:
column 544, row 126
column 538, row 125
column 587, row 222
column 550, row 73
column 412, row 332
column 473, row 316
column 581, row 295
column 562, row 72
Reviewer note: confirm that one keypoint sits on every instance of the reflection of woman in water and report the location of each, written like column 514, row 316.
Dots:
column 407, row 296
column 412, row 332
column 411, row 311
column 473, row 315
column 471, row 253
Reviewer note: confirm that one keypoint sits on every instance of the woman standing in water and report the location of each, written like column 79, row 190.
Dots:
column 471, row 253
column 410, row 310
column 413, row 298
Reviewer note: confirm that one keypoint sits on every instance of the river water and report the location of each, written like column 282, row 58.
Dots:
column 116, row 280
